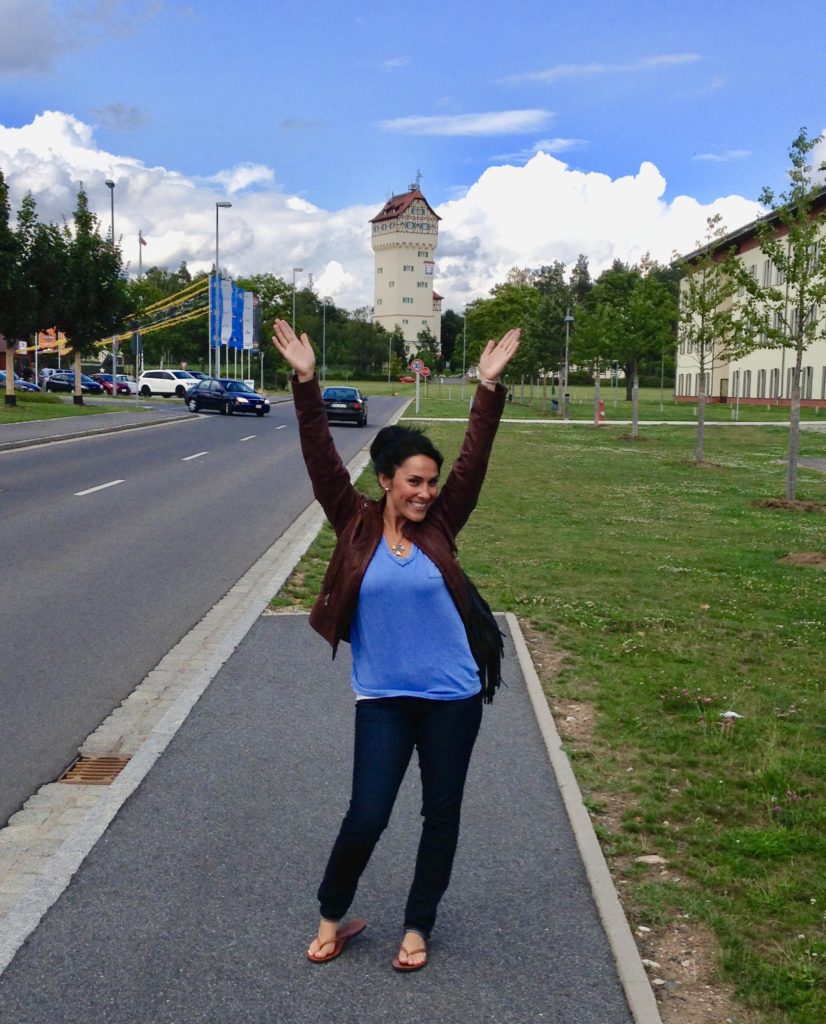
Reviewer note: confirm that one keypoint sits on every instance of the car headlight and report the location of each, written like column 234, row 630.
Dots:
column 241, row 401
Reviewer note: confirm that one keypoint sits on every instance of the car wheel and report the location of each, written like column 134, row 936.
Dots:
column 363, row 422
column 180, row 391
column 260, row 412
column 145, row 392
column 193, row 406
column 228, row 409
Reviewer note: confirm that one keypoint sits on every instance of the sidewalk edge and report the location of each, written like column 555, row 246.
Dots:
column 635, row 983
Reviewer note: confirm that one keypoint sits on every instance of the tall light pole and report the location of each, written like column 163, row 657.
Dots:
column 111, row 186
column 213, row 320
column 566, row 397
column 324, row 302
column 464, row 350
column 296, row 270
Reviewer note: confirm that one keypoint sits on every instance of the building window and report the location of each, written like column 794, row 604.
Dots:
column 407, row 299
column 422, row 284
column 404, row 321
column 423, row 253
column 379, row 270
column 746, row 383
column 823, row 384
column 789, row 380
column 767, row 272
column 761, row 383
column 774, row 384
column 807, row 382
column 379, row 301
column 425, row 322
column 391, row 284
column 735, row 383
column 407, row 266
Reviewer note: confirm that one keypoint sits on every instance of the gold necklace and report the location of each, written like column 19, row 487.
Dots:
column 398, row 548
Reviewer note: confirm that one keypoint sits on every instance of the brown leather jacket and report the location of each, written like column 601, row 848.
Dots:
column 358, row 520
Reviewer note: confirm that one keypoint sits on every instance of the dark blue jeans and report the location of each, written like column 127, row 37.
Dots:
column 387, row 730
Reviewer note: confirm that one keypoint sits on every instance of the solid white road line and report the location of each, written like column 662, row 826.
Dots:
column 197, row 455
column 100, row 487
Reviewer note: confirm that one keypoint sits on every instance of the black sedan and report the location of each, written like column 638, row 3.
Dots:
column 19, row 383
column 346, row 404
column 64, row 381
column 226, row 396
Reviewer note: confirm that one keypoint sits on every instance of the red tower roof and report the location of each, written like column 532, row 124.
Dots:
column 396, row 206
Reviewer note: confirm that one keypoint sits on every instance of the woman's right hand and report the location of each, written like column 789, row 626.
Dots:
column 297, row 351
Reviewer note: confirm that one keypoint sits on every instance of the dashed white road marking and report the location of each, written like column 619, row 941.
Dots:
column 283, row 425
column 197, row 455
column 249, row 437
column 100, row 487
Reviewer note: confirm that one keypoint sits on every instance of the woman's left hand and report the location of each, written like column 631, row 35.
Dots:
column 496, row 356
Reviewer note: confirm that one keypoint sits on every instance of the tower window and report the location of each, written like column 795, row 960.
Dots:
column 408, row 266
column 406, row 299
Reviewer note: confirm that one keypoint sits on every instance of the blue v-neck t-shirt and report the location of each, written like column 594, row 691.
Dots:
column 407, row 636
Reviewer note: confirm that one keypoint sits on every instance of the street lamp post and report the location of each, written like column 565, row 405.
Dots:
column 324, row 302
column 111, row 186
column 464, row 351
column 218, row 206
column 296, row 270
column 566, row 397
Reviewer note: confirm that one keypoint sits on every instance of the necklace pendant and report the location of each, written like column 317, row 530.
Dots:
column 397, row 548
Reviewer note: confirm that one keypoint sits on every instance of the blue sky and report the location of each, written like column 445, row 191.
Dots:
column 646, row 118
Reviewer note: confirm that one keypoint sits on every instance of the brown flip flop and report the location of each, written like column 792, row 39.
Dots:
column 343, row 935
column 399, row 966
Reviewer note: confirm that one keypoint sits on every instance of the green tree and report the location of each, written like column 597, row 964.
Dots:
column 452, row 326
column 709, row 327
column 95, row 298
column 786, row 311
column 510, row 305
column 10, row 286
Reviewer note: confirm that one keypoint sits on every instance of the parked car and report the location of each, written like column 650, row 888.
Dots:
column 105, row 380
column 64, row 380
column 226, row 396
column 346, row 404
column 407, row 379
column 199, row 374
column 130, row 382
column 19, row 383
column 166, row 383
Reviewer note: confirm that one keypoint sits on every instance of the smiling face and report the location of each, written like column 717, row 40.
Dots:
column 412, row 489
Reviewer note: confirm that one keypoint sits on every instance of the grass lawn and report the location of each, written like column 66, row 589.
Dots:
column 657, row 597
column 34, row 406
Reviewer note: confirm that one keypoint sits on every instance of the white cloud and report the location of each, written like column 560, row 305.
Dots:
column 36, row 33
column 511, row 216
column 724, row 156
column 560, row 71
column 243, row 176
column 495, row 122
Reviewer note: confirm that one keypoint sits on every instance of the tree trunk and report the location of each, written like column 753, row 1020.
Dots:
column 794, row 428
column 77, row 396
column 699, row 449
column 635, row 404
column 630, row 371
column 597, row 396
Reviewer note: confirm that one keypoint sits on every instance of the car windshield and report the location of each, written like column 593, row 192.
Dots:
column 86, row 380
column 183, row 374
column 340, row 394
column 238, row 385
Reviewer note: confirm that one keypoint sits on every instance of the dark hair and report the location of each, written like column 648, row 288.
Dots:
column 393, row 445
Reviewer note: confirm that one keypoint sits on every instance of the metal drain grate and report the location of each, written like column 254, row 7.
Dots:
column 94, row 771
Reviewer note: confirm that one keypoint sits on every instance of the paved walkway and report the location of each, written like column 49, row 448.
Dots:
column 184, row 892
column 197, row 903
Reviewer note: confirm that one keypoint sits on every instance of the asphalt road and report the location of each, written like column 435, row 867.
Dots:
column 101, row 578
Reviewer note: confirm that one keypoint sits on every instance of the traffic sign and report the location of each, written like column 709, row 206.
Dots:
column 416, row 365
column 425, row 371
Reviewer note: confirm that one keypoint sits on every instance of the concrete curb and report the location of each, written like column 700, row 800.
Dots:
column 631, row 972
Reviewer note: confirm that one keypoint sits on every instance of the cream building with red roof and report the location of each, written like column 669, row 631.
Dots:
column 404, row 238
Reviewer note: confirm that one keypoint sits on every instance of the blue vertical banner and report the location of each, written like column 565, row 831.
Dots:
column 226, row 310
column 215, row 311
column 237, row 338
column 249, row 319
